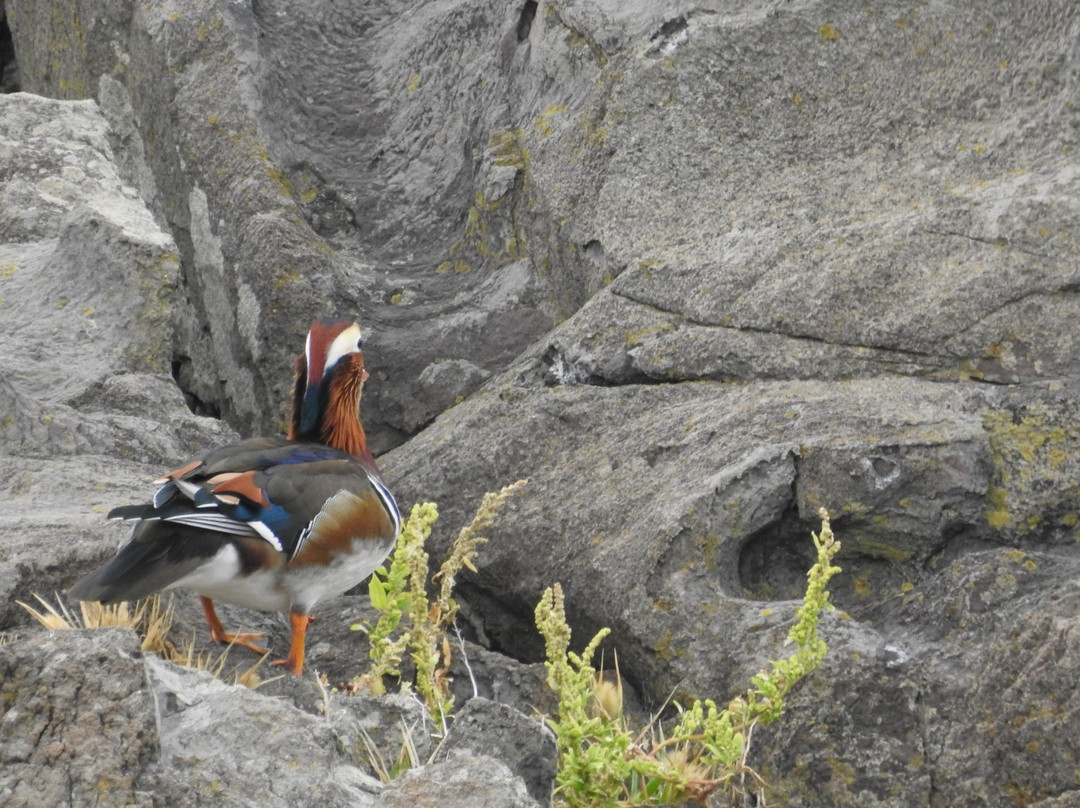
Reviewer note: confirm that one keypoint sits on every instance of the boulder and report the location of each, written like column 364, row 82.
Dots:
column 978, row 691
column 87, row 283
column 252, row 750
column 88, row 720
column 525, row 745
column 275, row 214
column 462, row 781
column 77, row 726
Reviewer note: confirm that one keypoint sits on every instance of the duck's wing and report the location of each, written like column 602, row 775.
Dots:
column 259, row 504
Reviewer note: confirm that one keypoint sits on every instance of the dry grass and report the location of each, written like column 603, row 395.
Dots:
column 147, row 617
column 408, row 758
column 152, row 619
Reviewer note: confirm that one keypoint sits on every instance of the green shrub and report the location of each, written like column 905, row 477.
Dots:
column 603, row 763
column 399, row 592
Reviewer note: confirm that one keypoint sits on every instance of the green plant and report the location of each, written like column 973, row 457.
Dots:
column 408, row 622
column 392, row 590
column 603, row 763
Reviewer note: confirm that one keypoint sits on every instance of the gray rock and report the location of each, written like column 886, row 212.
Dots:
column 76, row 721
column 87, row 275
column 696, row 482
column 250, row 749
column 478, row 671
column 277, row 218
column 1068, row 800
column 440, row 386
column 83, row 410
column 525, row 745
column 979, row 690
column 591, row 125
column 87, row 719
column 717, row 516
column 382, row 728
column 463, row 781
column 87, row 280
column 773, row 201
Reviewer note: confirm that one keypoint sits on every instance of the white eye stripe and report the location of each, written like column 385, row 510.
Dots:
column 344, row 344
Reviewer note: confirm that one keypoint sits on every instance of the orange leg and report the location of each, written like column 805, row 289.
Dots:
column 218, row 633
column 294, row 662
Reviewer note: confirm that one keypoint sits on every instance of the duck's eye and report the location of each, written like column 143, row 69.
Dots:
column 359, row 343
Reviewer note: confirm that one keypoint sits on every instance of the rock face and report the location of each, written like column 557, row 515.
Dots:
column 78, row 723
column 88, row 293
column 89, row 721
column 694, row 269
column 485, row 727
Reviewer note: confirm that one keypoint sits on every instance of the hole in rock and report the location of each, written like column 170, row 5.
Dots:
column 183, row 375
column 525, row 20
column 594, row 251
column 876, row 568
column 500, row 625
column 670, row 28
column 9, row 68
column 883, row 467
column 773, row 562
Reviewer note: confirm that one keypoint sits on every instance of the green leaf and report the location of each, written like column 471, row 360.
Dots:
column 377, row 593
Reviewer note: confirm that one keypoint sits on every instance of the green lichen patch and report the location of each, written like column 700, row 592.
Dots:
column 544, row 125
column 508, row 147
column 1036, row 465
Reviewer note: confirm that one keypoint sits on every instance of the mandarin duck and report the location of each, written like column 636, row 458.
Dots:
column 276, row 524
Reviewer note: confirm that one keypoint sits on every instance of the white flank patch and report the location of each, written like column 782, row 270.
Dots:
column 221, row 569
column 220, row 579
column 309, row 585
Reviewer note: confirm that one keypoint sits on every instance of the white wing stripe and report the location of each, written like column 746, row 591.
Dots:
column 265, row 531
column 387, row 500
column 187, row 489
column 164, row 494
column 214, row 521
column 223, row 524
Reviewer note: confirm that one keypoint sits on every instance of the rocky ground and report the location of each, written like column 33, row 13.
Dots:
column 694, row 269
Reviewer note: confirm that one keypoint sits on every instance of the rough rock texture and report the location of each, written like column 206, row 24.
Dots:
column 86, row 719
column 695, row 269
column 997, row 720
column 527, row 746
column 87, row 292
column 88, row 405
column 255, row 748
column 269, row 187
column 78, row 722
column 463, row 781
